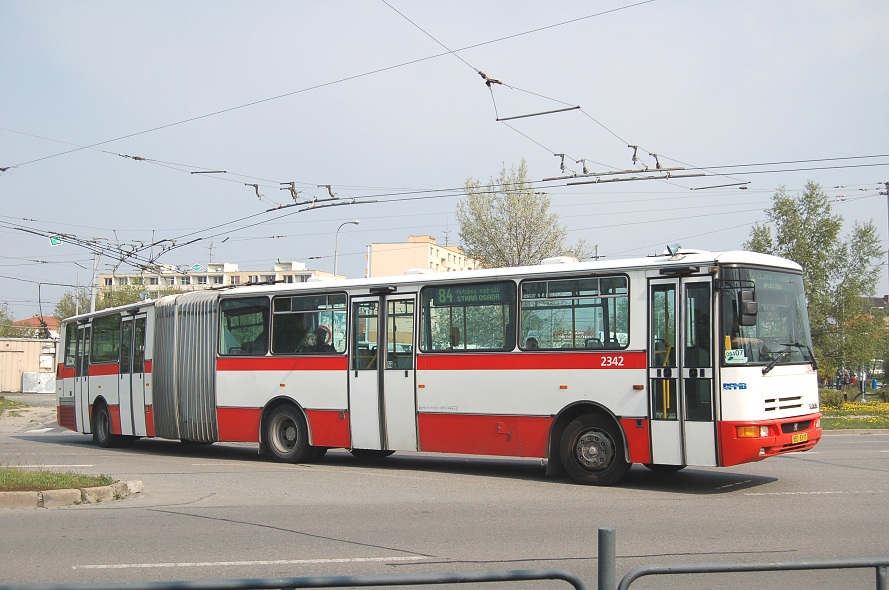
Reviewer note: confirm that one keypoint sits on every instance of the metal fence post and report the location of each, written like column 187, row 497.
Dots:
column 881, row 577
column 607, row 559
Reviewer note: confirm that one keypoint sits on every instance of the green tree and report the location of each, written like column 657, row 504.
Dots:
column 72, row 303
column 505, row 223
column 7, row 330
column 78, row 301
column 839, row 272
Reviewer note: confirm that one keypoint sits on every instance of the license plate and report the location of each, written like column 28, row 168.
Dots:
column 799, row 438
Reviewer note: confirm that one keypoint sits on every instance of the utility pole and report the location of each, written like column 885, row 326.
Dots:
column 886, row 184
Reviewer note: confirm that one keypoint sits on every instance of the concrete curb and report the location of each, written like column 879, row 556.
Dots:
column 56, row 498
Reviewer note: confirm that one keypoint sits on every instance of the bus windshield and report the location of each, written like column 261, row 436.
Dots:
column 780, row 334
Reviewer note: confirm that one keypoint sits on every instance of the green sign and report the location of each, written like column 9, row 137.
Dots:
column 55, row 240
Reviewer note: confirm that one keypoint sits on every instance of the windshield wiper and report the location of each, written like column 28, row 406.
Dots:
column 787, row 346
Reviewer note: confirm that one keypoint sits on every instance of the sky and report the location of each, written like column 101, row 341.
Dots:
column 127, row 124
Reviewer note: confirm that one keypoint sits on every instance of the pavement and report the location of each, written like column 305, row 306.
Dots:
column 41, row 410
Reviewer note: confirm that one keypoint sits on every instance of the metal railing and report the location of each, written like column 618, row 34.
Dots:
column 606, row 575
column 324, row 581
column 607, row 566
column 879, row 564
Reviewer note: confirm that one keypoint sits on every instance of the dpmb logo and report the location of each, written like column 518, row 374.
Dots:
column 734, row 386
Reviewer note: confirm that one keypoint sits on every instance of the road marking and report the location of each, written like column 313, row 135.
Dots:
column 53, row 466
column 36, row 430
column 120, row 566
column 813, row 493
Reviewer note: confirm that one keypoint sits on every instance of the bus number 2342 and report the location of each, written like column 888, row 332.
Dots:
column 612, row 361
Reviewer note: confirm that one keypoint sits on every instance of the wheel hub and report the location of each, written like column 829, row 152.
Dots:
column 594, row 451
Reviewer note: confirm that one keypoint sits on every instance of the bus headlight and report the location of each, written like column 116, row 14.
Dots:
column 752, row 431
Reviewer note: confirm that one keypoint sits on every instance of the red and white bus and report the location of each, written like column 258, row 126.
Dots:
column 691, row 358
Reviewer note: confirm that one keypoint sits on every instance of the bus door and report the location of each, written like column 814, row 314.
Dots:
column 82, row 377
column 131, row 380
column 681, row 371
column 382, row 396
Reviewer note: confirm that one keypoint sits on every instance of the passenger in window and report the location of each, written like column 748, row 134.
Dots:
column 455, row 338
column 531, row 342
column 321, row 344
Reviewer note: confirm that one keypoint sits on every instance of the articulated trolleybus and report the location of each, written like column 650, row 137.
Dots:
column 691, row 358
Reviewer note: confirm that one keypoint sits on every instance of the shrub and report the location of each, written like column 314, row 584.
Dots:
column 831, row 398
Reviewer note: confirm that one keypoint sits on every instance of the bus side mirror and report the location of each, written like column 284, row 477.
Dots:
column 748, row 309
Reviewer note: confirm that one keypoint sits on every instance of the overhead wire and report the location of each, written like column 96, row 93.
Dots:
column 327, row 84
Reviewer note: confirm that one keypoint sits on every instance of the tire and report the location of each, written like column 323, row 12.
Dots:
column 370, row 454
column 102, row 427
column 592, row 451
column 287, row 435
column 657, row 468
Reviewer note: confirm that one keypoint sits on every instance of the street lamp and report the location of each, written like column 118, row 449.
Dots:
column 336, row 242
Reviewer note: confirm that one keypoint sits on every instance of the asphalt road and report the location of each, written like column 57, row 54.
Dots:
column 220, row 511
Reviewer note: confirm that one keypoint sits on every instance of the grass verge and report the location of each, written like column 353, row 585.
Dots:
column 853, row 415
column 14, row 479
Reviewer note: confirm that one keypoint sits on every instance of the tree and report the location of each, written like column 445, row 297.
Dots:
column 78, row 301
column 7, row 330
column 505, row 223
column 72, row 303
column 838, row 272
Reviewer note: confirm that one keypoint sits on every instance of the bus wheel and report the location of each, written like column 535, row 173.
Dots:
column 592, row 451
column 286, row 434
column 370, row 454
column 102, row 427
column 658, row 468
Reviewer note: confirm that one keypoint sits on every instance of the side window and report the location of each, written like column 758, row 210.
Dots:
column 473, row 317
column 106, row 340
column 245, row 326
column 309, row 324
column 70, row 344
column 578, row 314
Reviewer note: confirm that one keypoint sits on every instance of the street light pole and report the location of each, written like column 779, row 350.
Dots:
column 336, row 242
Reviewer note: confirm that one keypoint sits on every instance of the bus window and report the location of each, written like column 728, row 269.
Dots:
column 244, row 329
column 70, row 344
column 589, row 313
column 106, row 339
column 309, row 324
column 468, row 317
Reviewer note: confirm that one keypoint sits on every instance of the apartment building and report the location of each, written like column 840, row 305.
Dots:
column 420, row 253
column 214, row 274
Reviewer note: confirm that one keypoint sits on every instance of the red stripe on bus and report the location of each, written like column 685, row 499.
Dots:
column 149, row 420
column 303, row 363
column 330, row 428
column 531, row 360
column 66, row 417
column 104, row 369
column 64, row 372
column 508, row 436
column 147, row 366
column 114, row 411
column 238, row 424
column 734, row 450
column 636, row 431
